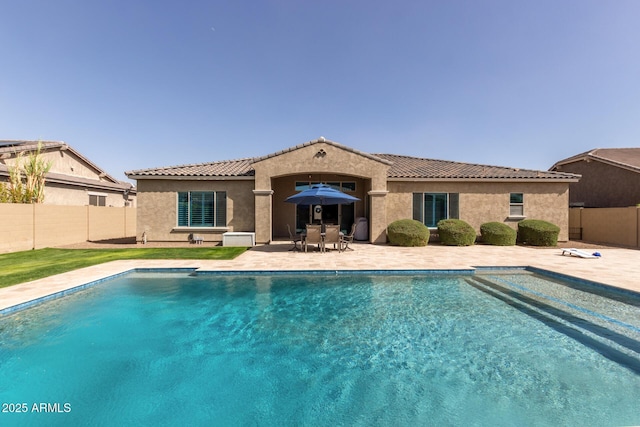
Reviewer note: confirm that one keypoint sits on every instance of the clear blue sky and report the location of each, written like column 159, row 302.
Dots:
column 135, row 84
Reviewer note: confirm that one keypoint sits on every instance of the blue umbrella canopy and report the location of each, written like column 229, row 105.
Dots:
column 321, row 194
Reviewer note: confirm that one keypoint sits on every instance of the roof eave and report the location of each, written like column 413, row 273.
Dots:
column 94, row 185
column 537, row 179
column 192, row 177
column 594, row 158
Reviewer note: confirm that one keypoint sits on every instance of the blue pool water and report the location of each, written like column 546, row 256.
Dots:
column 171, row 349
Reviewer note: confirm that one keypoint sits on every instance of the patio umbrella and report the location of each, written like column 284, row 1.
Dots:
column 321, row 194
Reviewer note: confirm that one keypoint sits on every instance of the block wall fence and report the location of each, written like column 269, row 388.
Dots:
column 614, row 226
column 35, row 226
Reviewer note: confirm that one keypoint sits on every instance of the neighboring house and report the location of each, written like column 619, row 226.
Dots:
column 249, row 194
column 610, row 177
column 72, row 179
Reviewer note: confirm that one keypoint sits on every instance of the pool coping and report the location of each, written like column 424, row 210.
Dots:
column 399, row 272
column 617, row 268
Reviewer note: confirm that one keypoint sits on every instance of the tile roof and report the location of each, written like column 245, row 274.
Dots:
column 415, row 167
column 14, row 146
column 401, row 167
column 240, row 167
column 628, row 158
column 11, row 147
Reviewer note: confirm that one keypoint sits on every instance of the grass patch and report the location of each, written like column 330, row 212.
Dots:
column 20, row 267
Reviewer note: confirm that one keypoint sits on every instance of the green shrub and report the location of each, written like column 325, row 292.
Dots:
column 408, row 232
column 498, row 234
column 536, row 232
column 455, row 232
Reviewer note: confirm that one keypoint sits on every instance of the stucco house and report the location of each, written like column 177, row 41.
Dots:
column 249, row 194
column 73, row 179
column 610, row 177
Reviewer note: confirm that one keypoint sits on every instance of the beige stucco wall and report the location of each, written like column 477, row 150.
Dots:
column 319, row 159
column 603, row 185
column 482, row 202
column 157, row 208
column 59, row 194
column 67, row 163
column 63, row 162
column 306, row 160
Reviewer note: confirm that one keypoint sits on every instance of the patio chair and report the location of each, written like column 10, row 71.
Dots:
column 348, row 238
column 313, row 237
column 332, row 235
column 195, row 239
column 295, row 239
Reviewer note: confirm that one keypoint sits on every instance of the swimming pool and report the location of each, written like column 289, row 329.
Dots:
column 493, row 348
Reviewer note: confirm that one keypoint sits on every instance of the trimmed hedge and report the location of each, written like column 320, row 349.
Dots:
column 498, row 234
column 536, row 232
column 408, row 232
column 455, row 232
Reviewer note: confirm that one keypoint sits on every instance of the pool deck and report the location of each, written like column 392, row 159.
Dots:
column 617, row 267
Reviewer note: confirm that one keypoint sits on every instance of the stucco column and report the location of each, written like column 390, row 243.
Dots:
column 378, row 220
column 263, row 215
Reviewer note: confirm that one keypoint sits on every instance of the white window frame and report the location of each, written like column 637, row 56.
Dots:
column 190, row 227
column 98, row 195
column 519, row 206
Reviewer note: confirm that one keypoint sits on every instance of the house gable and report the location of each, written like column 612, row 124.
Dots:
column 63, row 158
column 610, row 177
column 71, row 174
column 624, row 158
column 318, row 157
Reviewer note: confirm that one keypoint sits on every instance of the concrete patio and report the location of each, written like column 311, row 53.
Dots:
column 617, row 267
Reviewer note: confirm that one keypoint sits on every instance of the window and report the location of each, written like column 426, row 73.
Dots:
column 334, row 185
column 346, row 186
column 97, row 200
column 516, row 204
column 342, row 214
column 429, row 208
column 202, row 209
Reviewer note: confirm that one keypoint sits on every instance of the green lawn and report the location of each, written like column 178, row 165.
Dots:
column 19, row 267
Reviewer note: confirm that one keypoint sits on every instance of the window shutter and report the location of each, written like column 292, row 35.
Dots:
column 221, row 209
column 183, row 209
column 418, row 213
column 454, row 209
